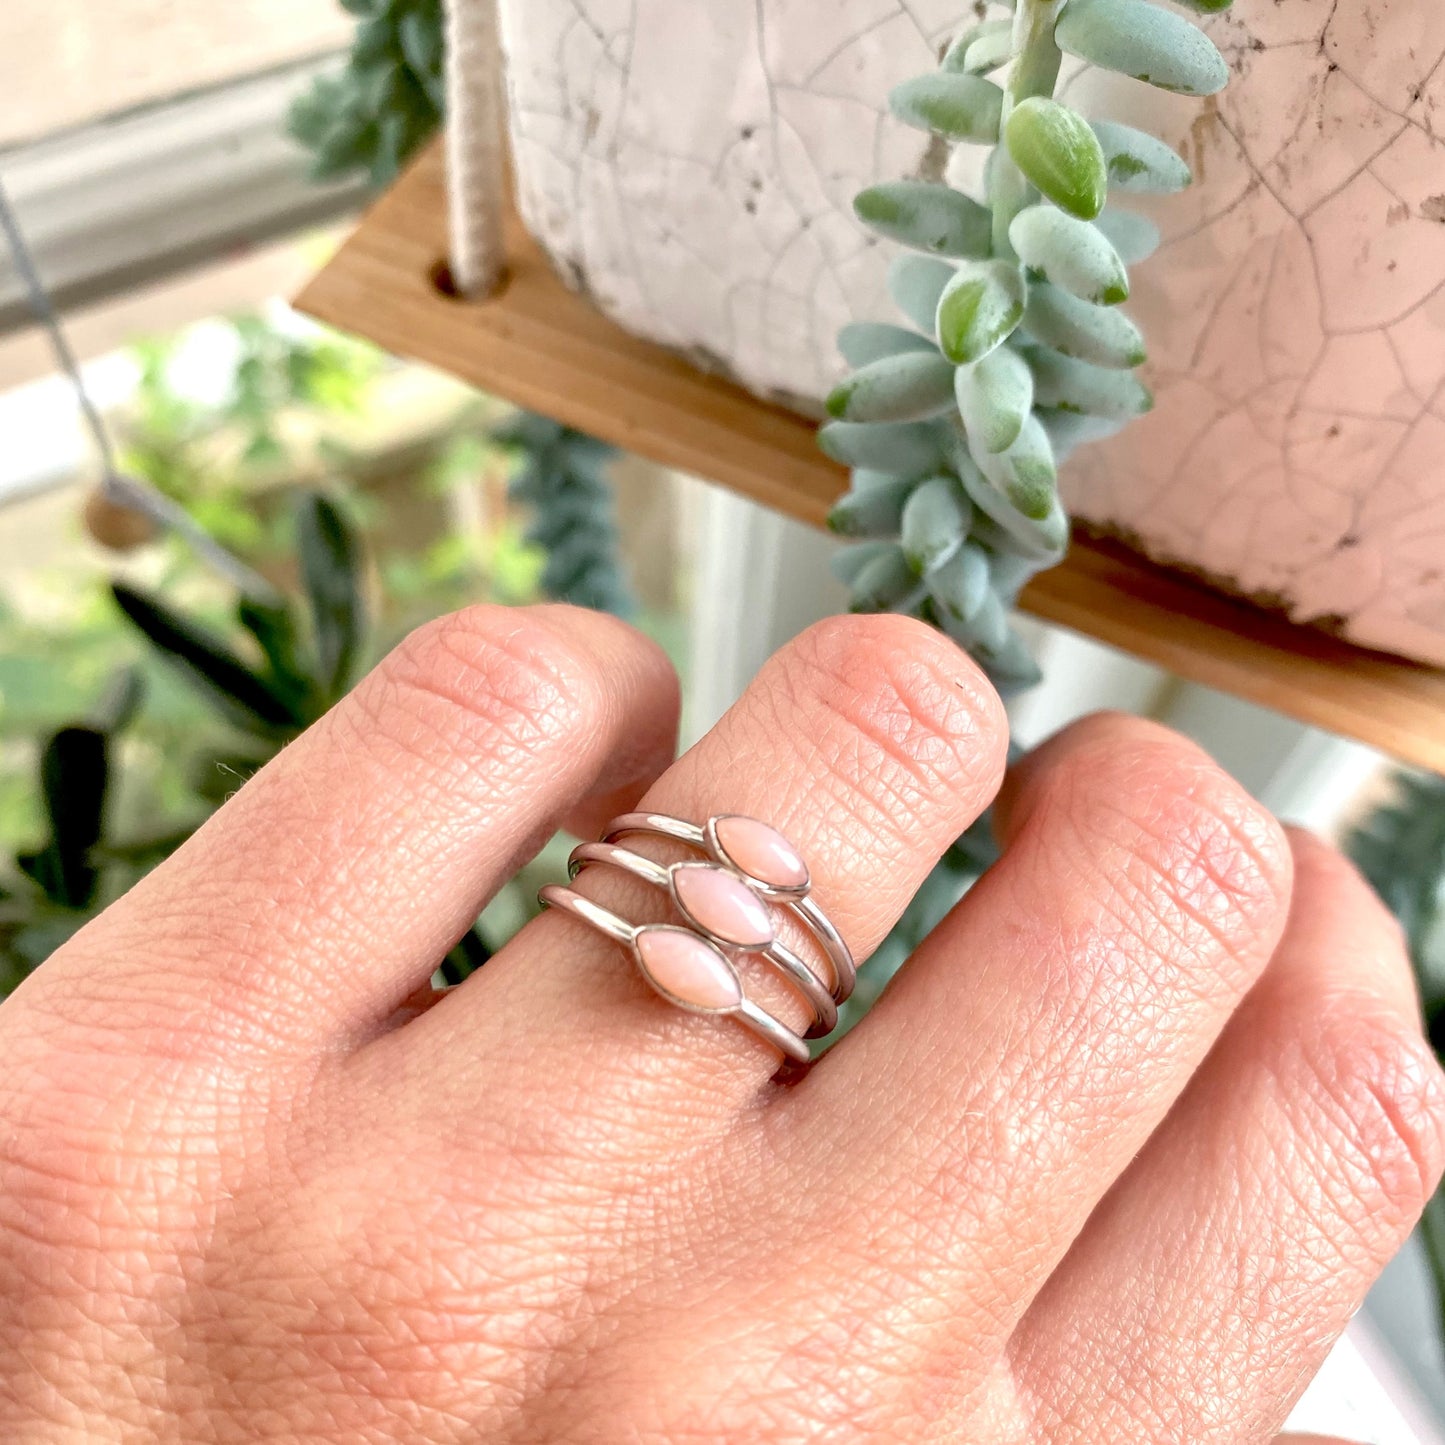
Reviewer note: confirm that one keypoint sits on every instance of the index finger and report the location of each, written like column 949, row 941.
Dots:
column 326, row 891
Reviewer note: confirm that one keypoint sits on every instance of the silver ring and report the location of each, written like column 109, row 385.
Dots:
column 763, row 858
column 744, row 928
column 685, row 968
column 725, row 904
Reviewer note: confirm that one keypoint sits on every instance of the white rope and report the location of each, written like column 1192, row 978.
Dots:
column 474, row 149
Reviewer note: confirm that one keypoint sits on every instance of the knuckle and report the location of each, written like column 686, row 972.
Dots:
column 485, row 678
column 912, row 713
column 1191, row 858
column 1378, row 1097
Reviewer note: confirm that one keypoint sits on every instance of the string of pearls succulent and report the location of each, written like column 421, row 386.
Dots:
column 563, row 480
column 1015, row 350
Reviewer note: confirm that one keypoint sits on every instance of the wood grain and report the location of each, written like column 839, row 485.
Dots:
column 546, row 348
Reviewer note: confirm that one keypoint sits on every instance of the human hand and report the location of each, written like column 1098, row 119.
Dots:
column 1113, row 1160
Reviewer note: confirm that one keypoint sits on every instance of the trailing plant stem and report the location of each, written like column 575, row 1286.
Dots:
column 1035, row 73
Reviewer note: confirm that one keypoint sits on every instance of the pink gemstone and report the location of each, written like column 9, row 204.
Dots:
column 761, row 852
column 689, row 969
column 722, row 905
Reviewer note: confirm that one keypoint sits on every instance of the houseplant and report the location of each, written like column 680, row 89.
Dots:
column 694, row 171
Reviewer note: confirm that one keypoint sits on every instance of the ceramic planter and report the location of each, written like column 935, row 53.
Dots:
column 692, row 167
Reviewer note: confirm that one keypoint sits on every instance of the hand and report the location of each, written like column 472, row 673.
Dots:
column 1113, row 1160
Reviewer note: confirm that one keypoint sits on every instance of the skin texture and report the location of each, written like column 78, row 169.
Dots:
column 1114, row 1159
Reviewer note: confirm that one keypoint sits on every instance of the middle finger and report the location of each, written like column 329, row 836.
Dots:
column 1041, row 1033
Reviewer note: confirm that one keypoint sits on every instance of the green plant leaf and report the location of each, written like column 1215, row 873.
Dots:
column 1207, row 7
column 994, row 397
column 936, row 519
column 884, row 584
column 989, row 50
column 911, row 387
column 848, row 562
column 876, row 511
column 1026, row 473
column 1070, row 429
column 864, row 342
column 957, row 107
column 330, row 568
column 1065, row 384
column 985, row 631
column 979, row 309
column 1059, row 152
column 1043, row 542
column 75, row 781
column 927, row 215
column 245, row 698
column 911, row 449
column 1070, row 253
column 1147, row 42
column 959, row 586
column 994, row 33
column 1140, row 162
column 1133, row 236
column 1100, row 334
column 915, row 283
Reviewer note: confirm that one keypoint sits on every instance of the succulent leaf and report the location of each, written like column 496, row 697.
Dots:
column 1043, row 541
column 1102, row 335
column 877, row 512
column 847, row 563
column 1062, row 383
column 1070, row 253
column 1140, row 162
column 1145, row 41
column 960, row 584
column 994, row 397
column 885, row 583
column 910, row 387
column 955, row 58
column 935, row 521
column 979, row 309
column 915, row 283
column 862, row 342
column 956, row 106
column 989, row 52
column 927, row 215
column 1026, row 473
column 1058, row 151
column 906, row 449
column 1133, row 236
column 1070, row 429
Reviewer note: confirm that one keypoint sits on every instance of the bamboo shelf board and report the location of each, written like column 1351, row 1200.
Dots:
column 544, row 347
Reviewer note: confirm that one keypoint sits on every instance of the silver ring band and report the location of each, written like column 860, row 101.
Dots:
column 794, row 899
column 775, row 951
column 738, row 1006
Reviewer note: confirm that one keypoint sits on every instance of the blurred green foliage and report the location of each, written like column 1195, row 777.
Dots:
column 387, row 99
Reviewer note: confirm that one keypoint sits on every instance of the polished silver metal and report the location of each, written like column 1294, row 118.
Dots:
column 664, row 876
column 795, row 901
column 773, row 1031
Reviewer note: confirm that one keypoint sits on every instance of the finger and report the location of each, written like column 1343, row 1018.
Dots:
column 871, row 742
column 327, row 890
column 1210, row 1285
column 1043, row 1030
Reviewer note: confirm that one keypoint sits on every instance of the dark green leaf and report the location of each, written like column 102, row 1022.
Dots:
column 245, row 698
column 330, row 570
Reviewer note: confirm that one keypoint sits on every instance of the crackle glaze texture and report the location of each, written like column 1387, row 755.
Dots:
column 692, row 167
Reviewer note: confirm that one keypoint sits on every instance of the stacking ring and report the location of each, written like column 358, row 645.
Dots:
column 726, row 903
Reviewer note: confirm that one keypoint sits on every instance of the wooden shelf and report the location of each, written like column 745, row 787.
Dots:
column 546, row 348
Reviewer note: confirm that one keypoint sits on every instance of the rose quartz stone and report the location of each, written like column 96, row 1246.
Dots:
column 688, row 968
column 722, row 905
column 761, row 852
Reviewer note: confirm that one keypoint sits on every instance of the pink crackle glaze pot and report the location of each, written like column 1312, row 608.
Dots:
column 693, row 167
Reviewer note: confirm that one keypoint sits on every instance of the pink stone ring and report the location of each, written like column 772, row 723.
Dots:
column 727, row 902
